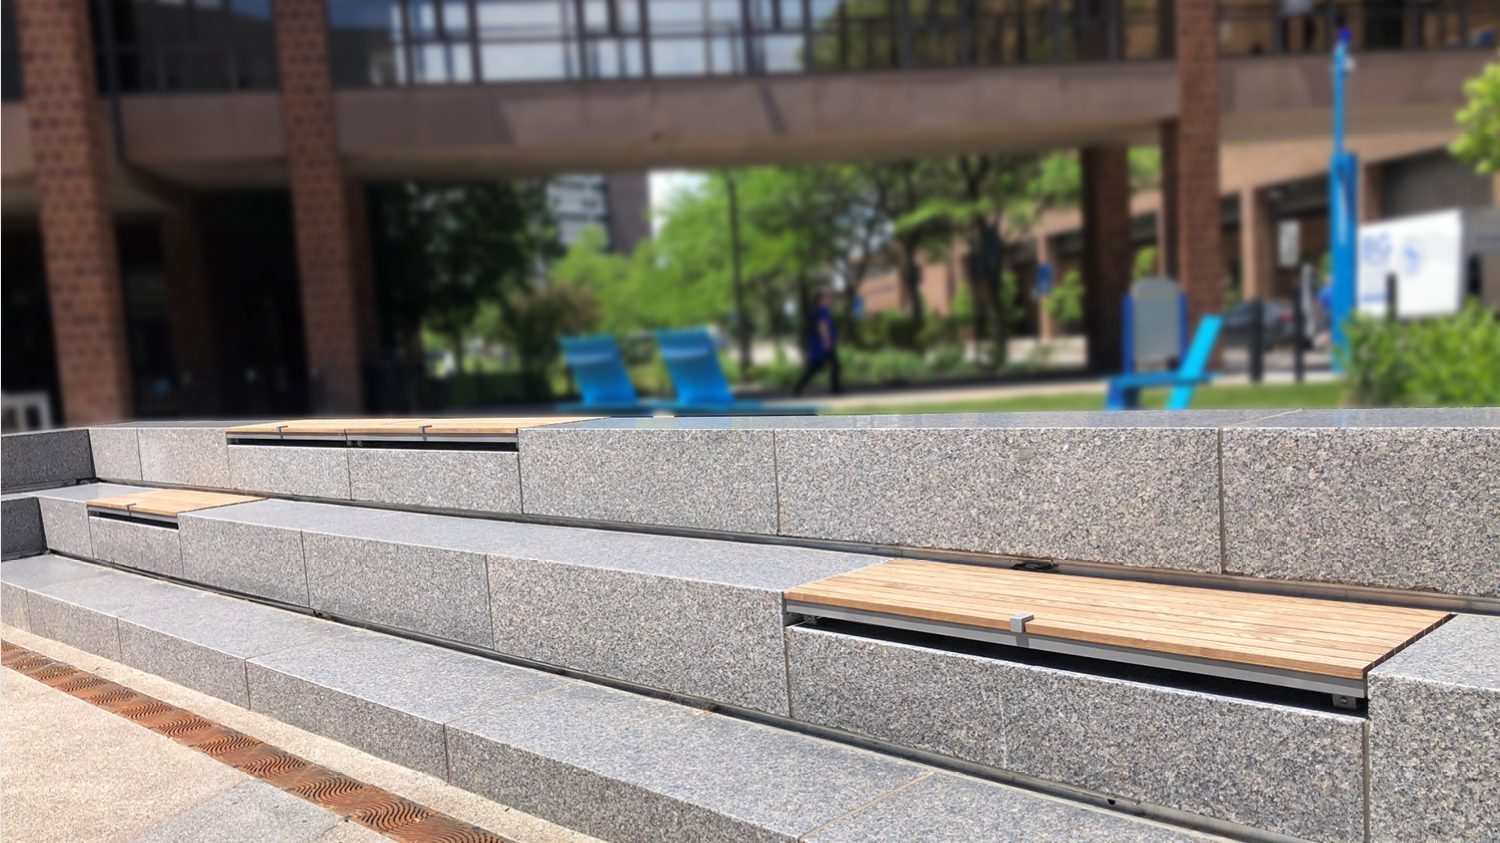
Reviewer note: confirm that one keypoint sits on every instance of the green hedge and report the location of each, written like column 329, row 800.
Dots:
column 1442, row 361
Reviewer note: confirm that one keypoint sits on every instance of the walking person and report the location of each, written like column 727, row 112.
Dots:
column 822, row 347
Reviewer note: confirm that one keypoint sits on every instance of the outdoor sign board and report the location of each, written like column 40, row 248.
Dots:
column 1043, row 279
column 1429, row 256
column 1155, row 322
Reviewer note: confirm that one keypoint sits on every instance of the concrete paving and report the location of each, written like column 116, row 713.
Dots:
column 72, row 771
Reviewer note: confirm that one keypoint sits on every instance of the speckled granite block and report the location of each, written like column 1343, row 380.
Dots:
column 18, row 576
column 253, row 548
column 184, row 453
column 65, row 518
column 1435, row 736
column 1396, row 498
column 203, row 643
column 21, row 532
column 481, row 481
column 45, row 458
column 1134, row 488
column 83, row 612
column 432, row 590
column 944, row 808
column 713, row 477
column 694, row 616
column 627, row 768
column 117, row 453
column 385, row 695
column 290, row 470
column 137, row 544
column 1223, row 757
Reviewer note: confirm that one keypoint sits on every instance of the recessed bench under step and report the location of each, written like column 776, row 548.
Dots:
column 436, row 430
column 162, row 506
column 1320, row 645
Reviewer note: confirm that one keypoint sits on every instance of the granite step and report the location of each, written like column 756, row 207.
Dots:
column 604, row 761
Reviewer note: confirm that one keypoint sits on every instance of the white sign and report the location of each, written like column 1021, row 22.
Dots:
column 1425, row 256
column 1155, row 322
column 1288, row 243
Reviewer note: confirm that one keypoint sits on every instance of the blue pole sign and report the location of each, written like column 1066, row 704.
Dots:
column 1043, row 279
column 1343, row 182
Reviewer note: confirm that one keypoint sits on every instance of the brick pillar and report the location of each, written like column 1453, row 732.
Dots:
column 326, row 211
column 1190, row 162
column 1166, row 219
column 190, row 312
column 1107, row 251
column 1257, row 245
column 72, row 183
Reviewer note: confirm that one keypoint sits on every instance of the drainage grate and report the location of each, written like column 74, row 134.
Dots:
column 370, row 806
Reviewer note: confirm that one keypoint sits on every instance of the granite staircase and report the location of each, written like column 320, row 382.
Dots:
column 589, row 621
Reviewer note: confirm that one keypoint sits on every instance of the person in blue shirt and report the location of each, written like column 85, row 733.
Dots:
column 822, row 347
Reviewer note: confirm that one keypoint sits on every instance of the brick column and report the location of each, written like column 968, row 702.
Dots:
column 1257, row 245
column 326, row 211
column 1371, row 191
column 1190, row 163
column 78, row 235
column 1107, row 252
column 190, row 312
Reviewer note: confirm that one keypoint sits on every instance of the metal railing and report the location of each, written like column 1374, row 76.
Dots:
column 1275, row 27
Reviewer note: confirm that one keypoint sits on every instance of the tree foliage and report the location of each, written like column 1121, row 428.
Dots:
column 1479, row 120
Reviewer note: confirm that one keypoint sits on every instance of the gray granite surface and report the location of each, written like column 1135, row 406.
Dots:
column 1435, row 736
column 44, row 458
column 936, row 421
column 65, row 518
column 21, row 532
column 1222, row 757
column 82, row 612
column 434, row 591
column 289, row 470
column 117, row 453
column 220, row 549
column 945, row 808
column 203, row 643
column 385, row 695
column 137, row 544
column 18, row 576
column 184, row 453
column 626, row 768
column 1369, row 503
column 481, row 481
column 709, row 640
column 706, row 479
column 1141, row 496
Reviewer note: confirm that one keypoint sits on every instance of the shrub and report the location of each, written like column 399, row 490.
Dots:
column 946, row 359
column 1450, row 360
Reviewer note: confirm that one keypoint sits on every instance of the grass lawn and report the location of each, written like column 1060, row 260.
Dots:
column 1306, row 395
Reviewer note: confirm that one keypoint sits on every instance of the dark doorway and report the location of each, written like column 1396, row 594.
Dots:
column 29, row 364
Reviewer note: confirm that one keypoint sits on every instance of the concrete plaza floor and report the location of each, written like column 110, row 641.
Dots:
column 70, row 771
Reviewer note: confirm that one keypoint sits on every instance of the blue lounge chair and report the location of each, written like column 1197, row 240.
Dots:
column 698, row 380
column 599, row 371
column 1125, row 390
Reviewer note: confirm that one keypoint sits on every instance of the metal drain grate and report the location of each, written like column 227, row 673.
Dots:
column 370, row 806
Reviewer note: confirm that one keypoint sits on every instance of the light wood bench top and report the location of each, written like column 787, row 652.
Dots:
column 1326, row 637
column 168, row 502
column 490, row 426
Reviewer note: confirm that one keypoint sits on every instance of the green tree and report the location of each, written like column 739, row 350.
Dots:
column 1479, row 119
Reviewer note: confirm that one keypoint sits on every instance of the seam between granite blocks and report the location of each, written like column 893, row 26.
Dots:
column 925, row 774
column 562, row 684
column 1223, row 533
column 1368, row 770
column 776, row 478
column 306, row 582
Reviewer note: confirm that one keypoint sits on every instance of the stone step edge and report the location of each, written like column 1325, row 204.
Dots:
column 1471, row 604
column 1120, row 810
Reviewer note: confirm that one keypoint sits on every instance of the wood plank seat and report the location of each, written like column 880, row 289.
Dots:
column 1324, row 645
column 166, row 504
column 408, row 428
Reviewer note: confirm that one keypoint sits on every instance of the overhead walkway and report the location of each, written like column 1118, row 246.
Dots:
column 1298, row 642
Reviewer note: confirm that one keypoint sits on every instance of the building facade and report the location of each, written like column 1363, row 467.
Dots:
column 184, row 180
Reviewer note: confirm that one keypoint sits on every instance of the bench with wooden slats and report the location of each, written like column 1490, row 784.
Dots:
column 496, row 429
column 1321, row 645
column 163, row 505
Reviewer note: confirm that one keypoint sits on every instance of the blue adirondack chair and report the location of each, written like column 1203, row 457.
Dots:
column 599, row 371
column 698, row 380
column 1125, row 390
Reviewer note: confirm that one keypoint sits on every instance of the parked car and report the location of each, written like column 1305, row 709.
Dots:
column 1277, row 324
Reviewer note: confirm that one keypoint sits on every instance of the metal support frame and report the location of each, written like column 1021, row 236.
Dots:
column 1353, row 689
